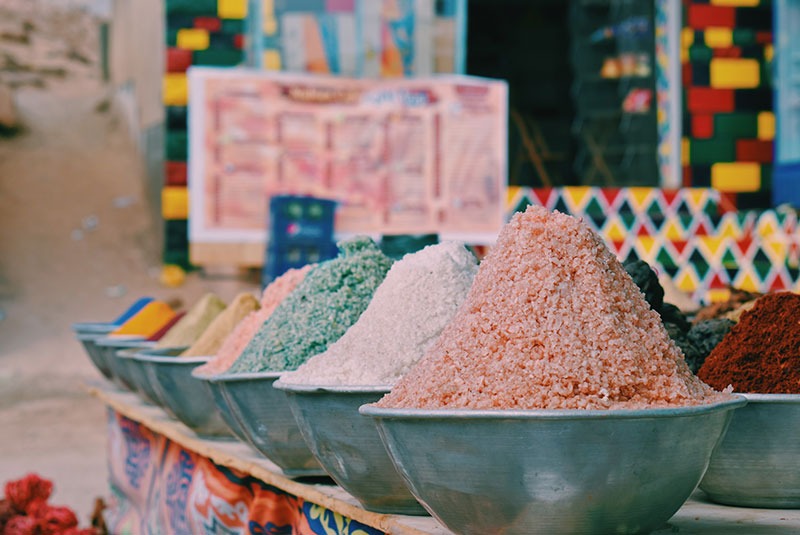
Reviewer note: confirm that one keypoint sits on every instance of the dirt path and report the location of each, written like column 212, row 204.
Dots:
column 76, row 243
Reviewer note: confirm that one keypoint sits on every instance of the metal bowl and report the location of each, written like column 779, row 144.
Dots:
column 108, row 347
column 267, row 422
column 98, row 357
column 552, row 471
column 757, row 463
column 348, row 446
column 215, row 389
column 93, row 327
column 148, row 366
column 138, row 376
column 183, row 396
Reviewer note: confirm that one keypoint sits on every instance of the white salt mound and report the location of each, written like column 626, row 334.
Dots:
column 552, row 321
column 419, row 296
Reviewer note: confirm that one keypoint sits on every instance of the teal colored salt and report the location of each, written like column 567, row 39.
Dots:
column 319, row 311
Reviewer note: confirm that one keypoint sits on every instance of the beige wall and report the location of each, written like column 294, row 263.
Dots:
column 136, row 57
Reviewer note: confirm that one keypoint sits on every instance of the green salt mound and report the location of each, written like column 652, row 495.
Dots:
column 319, row 311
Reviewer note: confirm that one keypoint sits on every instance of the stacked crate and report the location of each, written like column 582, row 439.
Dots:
column 199, row 32
column 729, row 125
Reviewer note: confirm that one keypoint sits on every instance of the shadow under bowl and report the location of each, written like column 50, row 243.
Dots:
column 757, row 463
column 552, row 471
column 267, row 421
column 348, row 446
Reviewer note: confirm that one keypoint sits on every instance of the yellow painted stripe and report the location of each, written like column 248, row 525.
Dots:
column 232, row 9
column 736, row 176
column 175, row 202
column 193, row 39
column 175, row 88
column 735, row 73
column 766, row 126
column 716, row 37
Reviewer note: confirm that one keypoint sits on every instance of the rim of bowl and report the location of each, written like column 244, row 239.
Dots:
column 337, row 389
column 234, row 377
column 121, row 340
column 87, row 327
column 127, row 353
column 156, row 351
column 84, row 336
column 177, row 360
column 770, row 398
column 551, row 414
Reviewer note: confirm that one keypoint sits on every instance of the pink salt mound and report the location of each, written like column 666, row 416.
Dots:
column 552, row 321
column 233, row 345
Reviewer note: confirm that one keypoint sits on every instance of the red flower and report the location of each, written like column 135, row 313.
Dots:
column 54, row 520
column 31, row 487
column 20, row 525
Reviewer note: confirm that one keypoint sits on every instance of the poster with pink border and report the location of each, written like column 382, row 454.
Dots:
column 402, row 156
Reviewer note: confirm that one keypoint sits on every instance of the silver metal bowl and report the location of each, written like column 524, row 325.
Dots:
column 267, row 421
column 757, row 463
column 184, row 397
column 93, row 327
column 148, row 366
column 98, row 357
column 108, row 347
column 348, row 446
column 552, row 471
column 138, row 376
column 215, row 389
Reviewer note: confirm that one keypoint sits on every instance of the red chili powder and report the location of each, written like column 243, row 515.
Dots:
column 761, row 354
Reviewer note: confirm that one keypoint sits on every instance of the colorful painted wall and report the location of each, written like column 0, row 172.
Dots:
column 198, row 32
column 728, row 124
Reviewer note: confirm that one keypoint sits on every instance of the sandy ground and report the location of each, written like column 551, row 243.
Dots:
column 77, row 242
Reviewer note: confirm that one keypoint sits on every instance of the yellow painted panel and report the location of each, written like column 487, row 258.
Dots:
column 175, row 88
column 193, row 39
column 272, row 60
column 270, row 26
column 685, row 151
column 231, row 9
column 175, row 202
column 736, row 3
column 735, row 73
column 766, row 126
column 769, row 52
column 687, row 37
column 719, row 37
column 737, row 176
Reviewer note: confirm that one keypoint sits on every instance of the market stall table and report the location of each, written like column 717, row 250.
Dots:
column 162, row 474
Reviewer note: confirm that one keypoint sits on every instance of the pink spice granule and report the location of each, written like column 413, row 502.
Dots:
column 233, row 345
column 552, row 321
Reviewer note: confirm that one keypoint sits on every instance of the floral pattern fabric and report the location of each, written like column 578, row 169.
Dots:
column 158, row 486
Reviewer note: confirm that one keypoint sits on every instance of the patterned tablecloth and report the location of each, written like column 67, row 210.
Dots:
column 158, row 486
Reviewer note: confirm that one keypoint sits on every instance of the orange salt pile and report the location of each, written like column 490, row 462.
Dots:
column 552, row 321
column 147, row 321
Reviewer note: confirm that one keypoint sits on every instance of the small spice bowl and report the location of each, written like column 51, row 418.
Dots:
column 267, row 421
column 108, row 347
column 96, row 355
column 224, row 408
column 348, row 446
column 120, row 368
column 519, row 472
column 183, row 396
column 138, row 376
column 757, row 463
